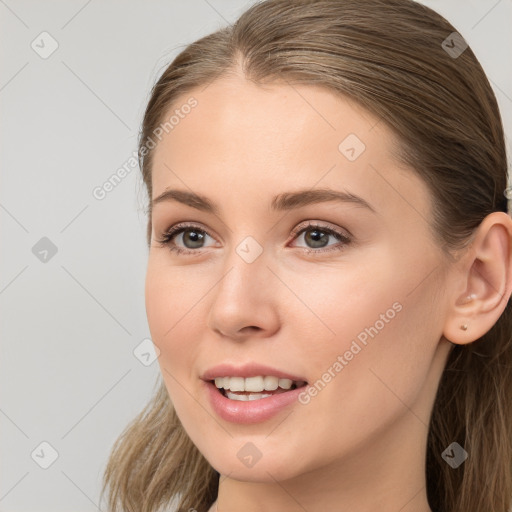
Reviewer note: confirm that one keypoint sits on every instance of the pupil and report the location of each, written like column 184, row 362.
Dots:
column 195, row 237
column 315, row 235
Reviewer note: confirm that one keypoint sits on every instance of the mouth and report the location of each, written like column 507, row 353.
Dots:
column 254, row 388
column 253, row 399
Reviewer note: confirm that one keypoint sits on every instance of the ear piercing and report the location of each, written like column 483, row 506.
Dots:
column 464, row 327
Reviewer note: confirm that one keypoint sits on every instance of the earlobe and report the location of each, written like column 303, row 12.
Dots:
column 460, row 327
column 487, row 281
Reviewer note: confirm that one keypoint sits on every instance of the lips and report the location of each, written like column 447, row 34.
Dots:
column 255, row 411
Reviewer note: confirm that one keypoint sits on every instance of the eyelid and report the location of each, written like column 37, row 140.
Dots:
column 321, row 224
column 180, row 227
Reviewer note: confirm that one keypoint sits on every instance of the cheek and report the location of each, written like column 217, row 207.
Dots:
column 348, row 310
column 372, row 367
column 367, row 318
column 175, row 319
column 171, row 299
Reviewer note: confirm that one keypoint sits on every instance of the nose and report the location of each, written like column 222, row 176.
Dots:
column 244, row 302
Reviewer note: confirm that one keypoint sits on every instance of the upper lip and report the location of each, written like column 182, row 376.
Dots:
column 250, row 369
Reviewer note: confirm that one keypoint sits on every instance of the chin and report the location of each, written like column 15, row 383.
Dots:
column 264, row 470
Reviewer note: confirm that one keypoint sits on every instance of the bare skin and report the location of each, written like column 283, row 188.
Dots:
column 359, row 444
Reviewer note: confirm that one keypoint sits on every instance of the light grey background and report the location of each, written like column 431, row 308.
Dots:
column 70, row 325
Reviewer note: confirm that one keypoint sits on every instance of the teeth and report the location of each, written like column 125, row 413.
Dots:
column 255, row 384
column 246, row 398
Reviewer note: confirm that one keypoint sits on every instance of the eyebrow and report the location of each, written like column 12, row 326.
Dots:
column 281, row 202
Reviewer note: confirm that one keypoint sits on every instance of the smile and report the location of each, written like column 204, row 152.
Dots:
column 247, row 406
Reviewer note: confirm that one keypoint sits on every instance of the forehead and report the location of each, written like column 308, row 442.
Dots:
column 257, row 141
column 276, row 115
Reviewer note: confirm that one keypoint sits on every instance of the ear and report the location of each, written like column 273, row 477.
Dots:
column 484, row 284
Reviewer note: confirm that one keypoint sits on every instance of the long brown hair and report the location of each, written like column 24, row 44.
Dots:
column 389, row 56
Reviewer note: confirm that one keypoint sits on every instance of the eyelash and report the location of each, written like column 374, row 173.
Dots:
column 166, row 240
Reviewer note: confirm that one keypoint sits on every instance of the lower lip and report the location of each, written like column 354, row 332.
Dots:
column 252, row 411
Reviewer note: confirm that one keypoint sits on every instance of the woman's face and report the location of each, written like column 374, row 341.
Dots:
column 358, row 317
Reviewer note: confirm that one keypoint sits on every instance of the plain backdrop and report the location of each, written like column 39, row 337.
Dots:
column 75, row 366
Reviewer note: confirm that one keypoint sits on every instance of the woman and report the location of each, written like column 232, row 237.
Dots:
column 329, row 271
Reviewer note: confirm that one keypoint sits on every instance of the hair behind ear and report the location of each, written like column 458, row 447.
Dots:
column 473, row 408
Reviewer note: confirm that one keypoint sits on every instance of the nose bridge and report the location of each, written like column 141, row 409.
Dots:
column 245, row 270
column 244, row 295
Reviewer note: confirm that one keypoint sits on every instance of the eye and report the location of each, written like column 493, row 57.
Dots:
column 317, row 236
column 192, row 236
